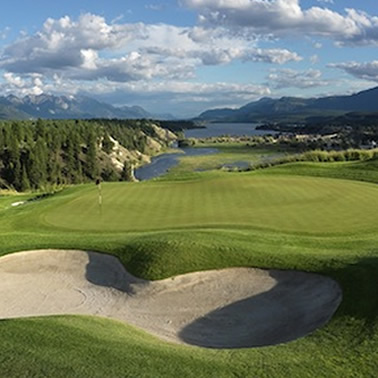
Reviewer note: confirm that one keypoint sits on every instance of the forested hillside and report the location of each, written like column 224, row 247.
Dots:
column 42, row 153
column 295, row 109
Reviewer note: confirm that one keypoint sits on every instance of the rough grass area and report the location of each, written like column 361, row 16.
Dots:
column 228, row 153
column 323, row 157
column 355, row 170
column 315, row 224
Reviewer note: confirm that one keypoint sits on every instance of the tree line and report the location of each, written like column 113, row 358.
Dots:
column 42, row 153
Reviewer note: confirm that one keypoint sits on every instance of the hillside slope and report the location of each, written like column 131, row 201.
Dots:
column 294, row 108
column 37, row 154
column 68, row 107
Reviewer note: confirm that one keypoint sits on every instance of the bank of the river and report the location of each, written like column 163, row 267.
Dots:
column 160, row 164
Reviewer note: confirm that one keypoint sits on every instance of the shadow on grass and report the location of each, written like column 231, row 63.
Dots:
column 272, row 317
column 298, row 304
column 359, row 282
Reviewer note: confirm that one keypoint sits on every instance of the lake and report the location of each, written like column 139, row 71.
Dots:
column 234, row 129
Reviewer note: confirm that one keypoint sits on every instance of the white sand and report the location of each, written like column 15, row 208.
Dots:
column 229, row 308
column 15, row 204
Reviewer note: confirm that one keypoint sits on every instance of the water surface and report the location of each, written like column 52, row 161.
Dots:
column 162, row 163
column 232, row 129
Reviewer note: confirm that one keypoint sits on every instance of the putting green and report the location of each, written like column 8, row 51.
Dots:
column 265, row 202
column 279, row 203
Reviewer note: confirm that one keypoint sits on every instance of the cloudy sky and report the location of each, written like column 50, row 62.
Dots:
column 186, row 56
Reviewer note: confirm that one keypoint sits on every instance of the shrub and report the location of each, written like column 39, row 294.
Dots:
column 321, row 156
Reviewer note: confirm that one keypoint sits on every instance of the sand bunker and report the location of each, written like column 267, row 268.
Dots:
column 229, row 308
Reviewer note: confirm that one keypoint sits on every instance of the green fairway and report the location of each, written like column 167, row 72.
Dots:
column 10, row 200
column 288, row 217
column 287, row 204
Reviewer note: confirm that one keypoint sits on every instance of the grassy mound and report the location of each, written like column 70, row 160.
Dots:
column 277, row 218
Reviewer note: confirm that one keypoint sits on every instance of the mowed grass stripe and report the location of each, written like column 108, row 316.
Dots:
column 282, row 203
column 97, row 347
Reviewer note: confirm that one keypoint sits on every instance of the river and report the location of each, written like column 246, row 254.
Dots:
column 162, row 163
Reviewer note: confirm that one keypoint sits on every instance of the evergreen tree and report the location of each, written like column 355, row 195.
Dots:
column 40, row 128
column 127, row 173
column 17, row 174
column 91, row 156
column 70, row 161
column 36, row 153
column 77, row 162
column 107, row 144
column 25, row 184
column 41, row 156
column 2, row 140
column 11, row 161
column 37, row 162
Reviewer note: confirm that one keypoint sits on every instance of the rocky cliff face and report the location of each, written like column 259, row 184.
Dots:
column 121, row 155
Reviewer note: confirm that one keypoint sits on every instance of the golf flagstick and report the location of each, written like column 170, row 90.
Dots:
column 98, row 183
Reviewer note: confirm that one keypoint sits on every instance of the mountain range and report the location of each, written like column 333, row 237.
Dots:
column 284, row 109
column 63, row 107
column 293, row 109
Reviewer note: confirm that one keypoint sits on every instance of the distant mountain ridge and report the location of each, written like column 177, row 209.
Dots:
column 295, row 108
column 65, row 107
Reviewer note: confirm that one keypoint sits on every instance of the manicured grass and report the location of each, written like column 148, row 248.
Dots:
column 277, row 218
column 7, row 199
column 280, row 203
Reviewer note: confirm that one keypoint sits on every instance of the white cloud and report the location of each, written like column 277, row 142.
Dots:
column 155, row 7
column 133, row 63
column 186, row 98
column 92, row 49
column 326, row 1
column 4, row 33
column 279, row 56
column 89, row 58
column 172, row 88
column 183, row 98
column 117, row 19
column 365, row 71
column 288, row 78
column 13, row 80
column 22, row 86
column 60, row 43
column 282, row 17
column 218, row 55
column 314, row 59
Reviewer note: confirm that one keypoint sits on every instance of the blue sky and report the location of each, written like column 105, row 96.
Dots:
column 186, row 56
